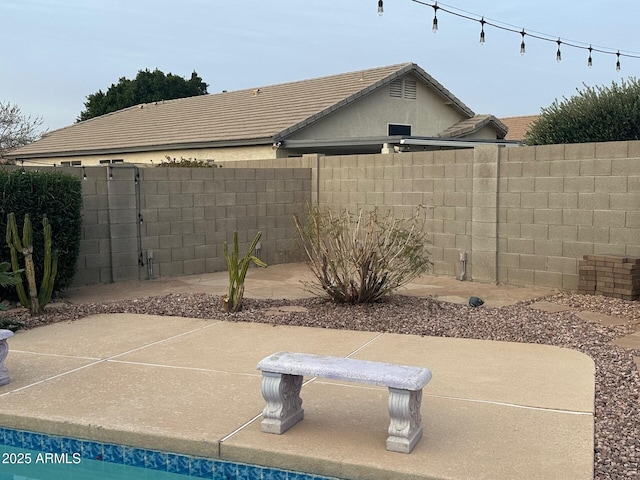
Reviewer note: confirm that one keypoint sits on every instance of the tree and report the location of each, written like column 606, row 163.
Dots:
column 596, row 114
column 145, row 88
column 16, row 129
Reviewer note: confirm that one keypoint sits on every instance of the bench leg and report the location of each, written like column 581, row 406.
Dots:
column 405, row 429
column 284, row 405
column 4, row 351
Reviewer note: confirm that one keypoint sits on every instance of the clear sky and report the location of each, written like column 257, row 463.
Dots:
column 56, row 52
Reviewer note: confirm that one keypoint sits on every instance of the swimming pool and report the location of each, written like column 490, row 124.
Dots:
column 39, row 456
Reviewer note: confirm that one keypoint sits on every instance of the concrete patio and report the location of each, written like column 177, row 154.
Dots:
column 492, row 410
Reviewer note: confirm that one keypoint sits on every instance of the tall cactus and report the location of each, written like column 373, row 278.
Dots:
column 34, row 302
column 237, row 268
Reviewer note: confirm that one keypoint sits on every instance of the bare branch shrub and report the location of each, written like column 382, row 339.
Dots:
column 359, row 258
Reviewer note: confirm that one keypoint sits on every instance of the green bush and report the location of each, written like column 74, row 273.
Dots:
column 361, row 258
column 52, row 193
column 600, row 114
column 186, row 162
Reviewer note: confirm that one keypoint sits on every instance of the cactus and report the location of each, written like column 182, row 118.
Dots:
column 34, row 302
column 237, row 268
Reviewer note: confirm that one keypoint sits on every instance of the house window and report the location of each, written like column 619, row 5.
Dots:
column 71, row 163
column 403, row 88
column 397, row 129
column 117, row 160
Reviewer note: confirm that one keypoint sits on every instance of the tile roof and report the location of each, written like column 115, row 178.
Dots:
column 243, row 117
column 471, row 125
column 518, row 126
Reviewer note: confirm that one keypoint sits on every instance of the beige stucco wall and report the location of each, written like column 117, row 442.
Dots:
column 224, row 154
column 371, row 115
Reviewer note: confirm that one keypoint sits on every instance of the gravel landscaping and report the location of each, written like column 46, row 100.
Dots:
column 617, row 407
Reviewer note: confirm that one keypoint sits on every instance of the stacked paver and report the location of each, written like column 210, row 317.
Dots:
column 610, row 275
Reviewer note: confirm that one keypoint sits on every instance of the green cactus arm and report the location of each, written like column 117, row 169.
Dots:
column 46, row 290
column 13, row 240
column 27, row 234
column 50, row 266
column 258, row 262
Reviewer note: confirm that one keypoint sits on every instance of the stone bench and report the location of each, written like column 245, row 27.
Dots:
column 4, row 351
column 282, row 375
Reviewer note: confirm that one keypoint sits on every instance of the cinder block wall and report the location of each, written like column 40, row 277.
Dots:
column 524, row 215
column 184, row 215
column 557, row 203
column 440, row 181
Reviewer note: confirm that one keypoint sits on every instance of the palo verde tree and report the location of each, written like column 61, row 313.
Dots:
column 16, row 128
column 595, row 114
column 145, row 88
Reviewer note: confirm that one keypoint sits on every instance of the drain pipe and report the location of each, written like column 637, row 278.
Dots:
column 150, row 264
column 463, row 259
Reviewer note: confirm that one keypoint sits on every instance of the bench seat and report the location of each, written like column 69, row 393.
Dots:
column 282, row 376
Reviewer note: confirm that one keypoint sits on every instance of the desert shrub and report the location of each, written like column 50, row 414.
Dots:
column 359, row 258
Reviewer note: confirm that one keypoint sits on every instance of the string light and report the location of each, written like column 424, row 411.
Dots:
column 434, row 29
column 380, row 8
column 510, row 28
column 84, row 174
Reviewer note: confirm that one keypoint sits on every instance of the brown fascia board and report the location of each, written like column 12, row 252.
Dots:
column 412, row 67
column 144, row 148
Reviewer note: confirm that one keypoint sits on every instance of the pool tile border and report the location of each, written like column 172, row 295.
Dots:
column 198, row 467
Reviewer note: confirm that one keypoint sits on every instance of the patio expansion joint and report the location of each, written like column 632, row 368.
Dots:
column 512, row 405
column 99, row 361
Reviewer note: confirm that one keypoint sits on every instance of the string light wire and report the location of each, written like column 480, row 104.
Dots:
column 531, row 33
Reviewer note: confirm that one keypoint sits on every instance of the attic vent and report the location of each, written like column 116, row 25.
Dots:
column 403, row 88
column 395, row 88
column 410, row 88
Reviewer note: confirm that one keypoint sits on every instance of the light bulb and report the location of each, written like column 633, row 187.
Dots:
column 590, row 60
column 618, row 61
column 380, row 8
column 482, row 22
column 558, row 54
column 434, row 29
column 522, row 48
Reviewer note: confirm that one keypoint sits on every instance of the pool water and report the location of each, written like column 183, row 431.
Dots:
column 20, row 463
column 35, row 456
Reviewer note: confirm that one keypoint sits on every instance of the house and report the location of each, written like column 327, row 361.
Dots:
column 518, row 126
column 394, row 108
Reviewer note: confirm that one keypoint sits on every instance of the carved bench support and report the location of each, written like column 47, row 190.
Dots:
column 405, row 429
column 284, row 405
column 4, row 351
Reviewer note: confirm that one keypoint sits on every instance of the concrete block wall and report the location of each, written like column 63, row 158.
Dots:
column 524, row 215
column 184, row 216
column 440, row 181
column 560, row 202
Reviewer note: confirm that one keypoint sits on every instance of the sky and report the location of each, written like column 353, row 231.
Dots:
column 56, row 52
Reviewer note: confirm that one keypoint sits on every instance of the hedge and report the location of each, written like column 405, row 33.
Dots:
column 52, row 193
